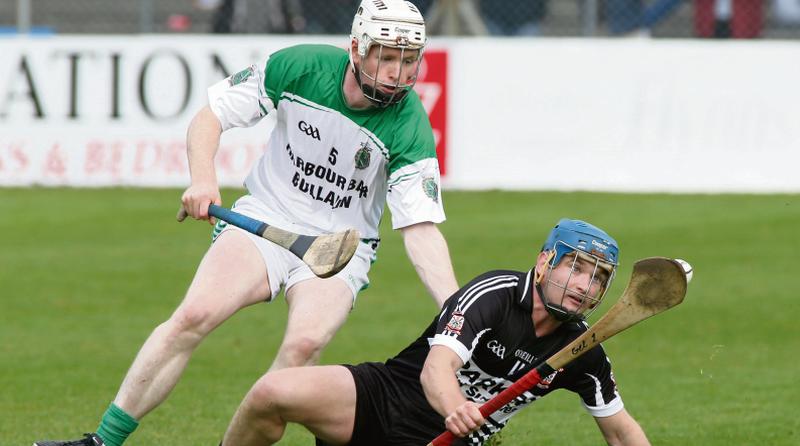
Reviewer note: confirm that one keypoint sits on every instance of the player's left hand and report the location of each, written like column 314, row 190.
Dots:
column 465, row 419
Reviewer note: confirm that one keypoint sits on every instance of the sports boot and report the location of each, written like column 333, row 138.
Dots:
column 87, row 440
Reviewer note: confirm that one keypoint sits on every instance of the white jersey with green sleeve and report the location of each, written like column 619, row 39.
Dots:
column 328, row 167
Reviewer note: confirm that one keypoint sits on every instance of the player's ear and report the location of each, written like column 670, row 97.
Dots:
column 354, row 49
column 541, row 265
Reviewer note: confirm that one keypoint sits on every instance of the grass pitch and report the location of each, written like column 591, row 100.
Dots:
column 85, row 275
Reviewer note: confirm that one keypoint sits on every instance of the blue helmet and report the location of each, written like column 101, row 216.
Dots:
column 576, row 235
column 592, row 245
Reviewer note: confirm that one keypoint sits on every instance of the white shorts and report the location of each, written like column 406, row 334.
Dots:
column 285, row 269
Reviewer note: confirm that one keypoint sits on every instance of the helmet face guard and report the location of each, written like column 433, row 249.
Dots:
column 371, row 85
column 588, row 252
column 388, row 24
column 586, row 296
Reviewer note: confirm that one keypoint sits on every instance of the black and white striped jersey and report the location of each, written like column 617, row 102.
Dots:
column 488, row 324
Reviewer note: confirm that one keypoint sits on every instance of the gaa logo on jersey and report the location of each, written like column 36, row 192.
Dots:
column 241, row 76
column 431, row 188
column 497, row 348
column 363, row 156
column 309, row 130
column 455, row 324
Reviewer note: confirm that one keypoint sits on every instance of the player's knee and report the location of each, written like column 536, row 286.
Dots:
column 262, row 409
column 302, row 350
column 269, row 394
column 191, row 323
column 266, row 392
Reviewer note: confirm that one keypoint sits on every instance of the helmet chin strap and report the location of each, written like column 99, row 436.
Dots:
column 375, row 96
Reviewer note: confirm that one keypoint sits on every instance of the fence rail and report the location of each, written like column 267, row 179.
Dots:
column 554, row 18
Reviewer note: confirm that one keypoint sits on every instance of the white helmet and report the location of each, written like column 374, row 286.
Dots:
column 388, row 23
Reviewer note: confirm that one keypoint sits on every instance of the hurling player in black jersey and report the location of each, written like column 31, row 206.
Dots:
column 489, row 333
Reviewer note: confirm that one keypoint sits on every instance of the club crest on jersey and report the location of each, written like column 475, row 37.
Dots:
column 363, row 156
column 241, row 76
column 455, row 324
column 545, row 383
column 431, row 188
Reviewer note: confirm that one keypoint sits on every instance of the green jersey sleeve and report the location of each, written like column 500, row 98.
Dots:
column 414, row 182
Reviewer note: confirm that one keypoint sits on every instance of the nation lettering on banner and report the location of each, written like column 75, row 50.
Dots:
column 108, row 111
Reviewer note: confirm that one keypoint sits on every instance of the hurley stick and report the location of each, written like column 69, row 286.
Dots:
column 326, row 254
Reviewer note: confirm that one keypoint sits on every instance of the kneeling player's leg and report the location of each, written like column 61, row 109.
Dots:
column 319, row 307
column 323, row 399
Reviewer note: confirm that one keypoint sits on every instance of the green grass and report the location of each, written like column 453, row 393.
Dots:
column 85, row 275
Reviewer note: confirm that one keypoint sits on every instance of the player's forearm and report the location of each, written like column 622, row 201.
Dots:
column 441, row 388
column 202, row 140
column 427, row 250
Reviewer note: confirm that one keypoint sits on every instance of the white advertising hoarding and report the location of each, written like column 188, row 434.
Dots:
column 626, row 115
column 547, row 114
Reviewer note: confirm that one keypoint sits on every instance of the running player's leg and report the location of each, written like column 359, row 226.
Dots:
column 323, row 399
column 317, row 309
column 232, row 275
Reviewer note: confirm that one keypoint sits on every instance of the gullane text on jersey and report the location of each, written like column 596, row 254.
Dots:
column 307, row 174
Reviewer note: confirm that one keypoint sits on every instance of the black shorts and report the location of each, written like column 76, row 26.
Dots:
column 391, row 410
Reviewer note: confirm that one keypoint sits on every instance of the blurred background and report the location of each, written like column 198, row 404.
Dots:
column 657, row 18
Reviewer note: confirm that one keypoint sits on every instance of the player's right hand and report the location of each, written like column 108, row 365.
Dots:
column 464, row 420
column 197, row 197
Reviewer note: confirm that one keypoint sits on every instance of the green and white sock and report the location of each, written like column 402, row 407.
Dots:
column 116, row 426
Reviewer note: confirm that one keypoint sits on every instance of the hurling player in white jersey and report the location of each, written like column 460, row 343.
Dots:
column 489, row 334
column 351, row 136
